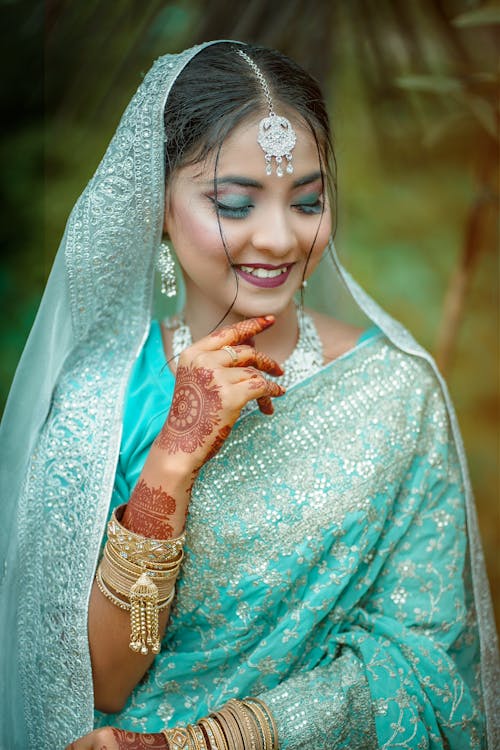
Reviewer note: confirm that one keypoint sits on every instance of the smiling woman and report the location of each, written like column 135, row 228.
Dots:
column 248, row 526
column 274, row 232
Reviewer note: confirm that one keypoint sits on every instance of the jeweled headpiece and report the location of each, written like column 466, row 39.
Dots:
column 276, row 137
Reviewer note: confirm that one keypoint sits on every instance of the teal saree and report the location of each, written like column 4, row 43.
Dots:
column 325, row 568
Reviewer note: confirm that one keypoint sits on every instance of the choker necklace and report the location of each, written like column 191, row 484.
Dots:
column 305, row 360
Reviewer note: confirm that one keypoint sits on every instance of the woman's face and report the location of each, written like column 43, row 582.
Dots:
column 269, row 224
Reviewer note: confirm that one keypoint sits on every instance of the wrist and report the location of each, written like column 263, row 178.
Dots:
column 176, row 471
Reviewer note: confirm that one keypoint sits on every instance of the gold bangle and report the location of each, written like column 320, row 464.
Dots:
column 271, row 720
column 253, row 733
column 197, row 737
column 263, row 725
column 226, row 730
column 270, row 724
column 133, row 546
column 258, row 733
column 219, row 733
column 234, row 724
column 123, row 581
column 124, row 588
column 178, row 738
column 233, row 708
column 144, row 609
column 109, row 594
column 157, row 570
column 125, row 605
column 215, row 733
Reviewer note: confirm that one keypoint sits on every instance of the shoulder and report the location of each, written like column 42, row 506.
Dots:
column 401, row 370
column 336, row 336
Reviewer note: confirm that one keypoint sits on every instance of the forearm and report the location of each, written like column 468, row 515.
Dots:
column 159, row 503
column 116, row 669
column 156, row 512
column 208, row 398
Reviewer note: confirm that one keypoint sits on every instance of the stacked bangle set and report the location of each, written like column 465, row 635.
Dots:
column 138, row 574
column 239, row 725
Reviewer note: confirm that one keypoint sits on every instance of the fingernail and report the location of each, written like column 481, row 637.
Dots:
column 268, row 317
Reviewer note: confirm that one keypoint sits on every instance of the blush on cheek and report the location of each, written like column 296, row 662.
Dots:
column 198, row 229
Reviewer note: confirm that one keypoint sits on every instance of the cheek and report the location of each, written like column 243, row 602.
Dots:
column 321, row 241
column 196, row 232
column 325, row 232
column 319, row 245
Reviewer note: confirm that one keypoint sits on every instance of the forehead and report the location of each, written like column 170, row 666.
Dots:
column 240, row 153
column 243, row 140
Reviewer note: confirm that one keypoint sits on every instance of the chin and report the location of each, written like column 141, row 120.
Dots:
column 263, row 305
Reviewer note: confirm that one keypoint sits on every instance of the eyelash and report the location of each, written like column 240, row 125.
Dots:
column 228, row 212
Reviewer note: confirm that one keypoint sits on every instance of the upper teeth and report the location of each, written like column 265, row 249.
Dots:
column 264, row 273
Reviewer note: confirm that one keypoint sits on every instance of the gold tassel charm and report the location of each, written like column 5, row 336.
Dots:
column 144, row 616
column 138, row 574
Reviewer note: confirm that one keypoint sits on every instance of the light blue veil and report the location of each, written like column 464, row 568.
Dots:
column 60, row 435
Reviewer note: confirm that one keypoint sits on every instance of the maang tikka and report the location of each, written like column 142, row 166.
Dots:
column 166, row 268
column 276, row 137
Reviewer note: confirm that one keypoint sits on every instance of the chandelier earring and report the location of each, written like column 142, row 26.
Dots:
column 166, row 268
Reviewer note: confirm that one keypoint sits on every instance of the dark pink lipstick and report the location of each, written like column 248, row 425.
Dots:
column 266, row 282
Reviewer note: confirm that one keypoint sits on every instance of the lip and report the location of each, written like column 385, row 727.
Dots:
column 265, row 283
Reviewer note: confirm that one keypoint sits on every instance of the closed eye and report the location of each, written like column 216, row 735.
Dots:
column 308, row 205
column 239, row 210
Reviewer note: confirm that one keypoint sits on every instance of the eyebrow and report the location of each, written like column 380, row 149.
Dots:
column 248, row 182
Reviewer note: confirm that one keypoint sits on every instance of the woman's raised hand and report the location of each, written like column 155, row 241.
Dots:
column 215, row 378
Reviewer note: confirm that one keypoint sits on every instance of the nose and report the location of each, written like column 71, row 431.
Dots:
column 274, row 232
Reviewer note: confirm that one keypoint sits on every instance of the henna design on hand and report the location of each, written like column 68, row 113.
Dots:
column 148, row 511
column 135, row 741
column 243, row 330
column 255, row 383
column 265, row 405
column 195, row 411
column 273, row 389
column 219, row 441
column 262, row 361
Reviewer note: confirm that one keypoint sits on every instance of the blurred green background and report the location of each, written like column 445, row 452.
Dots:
column 412, row 88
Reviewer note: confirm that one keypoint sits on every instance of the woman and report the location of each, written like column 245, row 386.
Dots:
column 324, row 570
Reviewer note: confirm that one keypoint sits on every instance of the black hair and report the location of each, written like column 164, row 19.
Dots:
column 218, row 89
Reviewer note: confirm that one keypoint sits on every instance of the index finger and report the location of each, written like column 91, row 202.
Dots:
column 238, row 333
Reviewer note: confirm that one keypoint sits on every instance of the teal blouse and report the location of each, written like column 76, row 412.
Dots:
column 325, row 568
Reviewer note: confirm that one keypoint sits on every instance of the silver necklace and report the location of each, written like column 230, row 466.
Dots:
column 305, row 360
